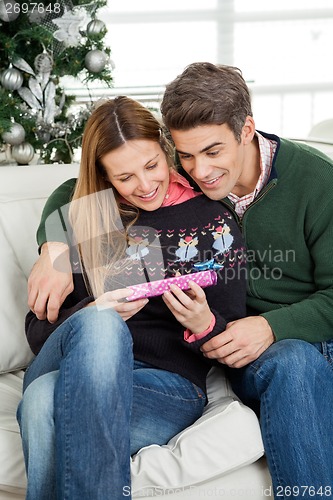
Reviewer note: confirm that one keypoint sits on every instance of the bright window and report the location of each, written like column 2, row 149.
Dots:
column 281, row 5
column 149, row 60
column 283, row 49
column 160, row 5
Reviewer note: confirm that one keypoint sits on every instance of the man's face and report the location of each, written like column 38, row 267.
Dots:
column 211, row 155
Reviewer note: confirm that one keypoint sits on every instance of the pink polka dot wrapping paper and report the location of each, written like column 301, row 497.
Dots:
column 156, row 288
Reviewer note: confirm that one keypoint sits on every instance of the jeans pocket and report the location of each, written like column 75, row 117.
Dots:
column 327, row 349
column 200, row 393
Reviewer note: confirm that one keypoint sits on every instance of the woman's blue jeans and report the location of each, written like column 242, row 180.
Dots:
column 87, row 407
column 291, row 386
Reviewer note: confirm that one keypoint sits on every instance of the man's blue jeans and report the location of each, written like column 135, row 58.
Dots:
column 87, row 407
column 291, row 386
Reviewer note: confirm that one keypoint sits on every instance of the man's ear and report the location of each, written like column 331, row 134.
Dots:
column 248, row 131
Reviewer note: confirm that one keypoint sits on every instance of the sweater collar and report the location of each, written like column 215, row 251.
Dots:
column 275, row 138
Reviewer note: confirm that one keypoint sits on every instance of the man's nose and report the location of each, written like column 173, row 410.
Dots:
column 201, row 169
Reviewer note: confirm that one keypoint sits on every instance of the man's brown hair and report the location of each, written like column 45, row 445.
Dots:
column 207, row 94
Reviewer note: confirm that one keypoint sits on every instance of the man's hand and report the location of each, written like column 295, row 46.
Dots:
column 49, row 285
column 241, row 343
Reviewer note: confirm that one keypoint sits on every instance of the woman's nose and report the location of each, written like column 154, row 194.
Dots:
column 144, row 184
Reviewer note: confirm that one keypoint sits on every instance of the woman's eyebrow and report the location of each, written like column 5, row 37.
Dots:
column 147, row 163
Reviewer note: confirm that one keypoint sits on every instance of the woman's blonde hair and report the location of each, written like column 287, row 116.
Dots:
column 98, row 219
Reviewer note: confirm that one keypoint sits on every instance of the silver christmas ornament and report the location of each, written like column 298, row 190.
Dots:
column 95, row 60
column 11, row 79
column 95, row 27
column 23, row 153
column 43, row 63
column 15, row 135
column 9, row 10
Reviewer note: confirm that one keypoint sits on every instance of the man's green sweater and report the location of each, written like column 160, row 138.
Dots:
column 288, row 231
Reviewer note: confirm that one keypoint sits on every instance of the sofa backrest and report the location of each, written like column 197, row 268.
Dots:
column 23, row 193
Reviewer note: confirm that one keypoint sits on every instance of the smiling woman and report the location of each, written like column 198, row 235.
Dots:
column 139, row 172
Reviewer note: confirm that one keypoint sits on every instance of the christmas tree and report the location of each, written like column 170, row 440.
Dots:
column 40, row 44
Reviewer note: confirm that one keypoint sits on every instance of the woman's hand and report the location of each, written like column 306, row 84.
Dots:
column 116, row 300
column 189, row 308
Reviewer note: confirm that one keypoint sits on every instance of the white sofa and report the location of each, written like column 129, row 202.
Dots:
column 220, row 456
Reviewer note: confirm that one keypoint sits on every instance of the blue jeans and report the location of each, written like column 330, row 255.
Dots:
column 291, row 386
column 88, row 406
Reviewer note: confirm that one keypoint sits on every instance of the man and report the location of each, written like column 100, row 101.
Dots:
column 279, row 358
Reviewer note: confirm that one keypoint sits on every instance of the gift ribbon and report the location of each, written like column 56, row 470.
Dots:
column 206, row 265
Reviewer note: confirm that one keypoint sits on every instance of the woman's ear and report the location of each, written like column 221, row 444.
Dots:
column 248, row 131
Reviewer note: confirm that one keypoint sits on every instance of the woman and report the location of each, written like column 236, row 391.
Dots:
column 113, row 375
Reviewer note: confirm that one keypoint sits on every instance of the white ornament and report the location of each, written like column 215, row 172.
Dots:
column 9, row 10
column 22, row 64
column 11, row 79
column 15, row 135
column 23, row 153
column 69, row 25
column 95, row 60
column 29, row 98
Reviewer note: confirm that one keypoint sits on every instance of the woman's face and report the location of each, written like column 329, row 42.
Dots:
column 138, row 170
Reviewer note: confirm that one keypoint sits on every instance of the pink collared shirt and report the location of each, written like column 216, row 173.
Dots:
column 267, row 150
column 179, row 190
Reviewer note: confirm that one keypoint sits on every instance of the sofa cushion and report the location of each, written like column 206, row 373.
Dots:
column 23, row 192
column 12, row 472
column 226, row 437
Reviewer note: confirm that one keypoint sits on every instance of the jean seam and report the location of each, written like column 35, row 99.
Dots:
column 265, row 404
column 173, row 396
column 270, row 445
column 67, row 420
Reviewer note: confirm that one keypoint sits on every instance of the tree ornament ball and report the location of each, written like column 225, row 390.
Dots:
column 95, row 60
column 15, row 135
column 9, row 10
column 11, row 79
column 23, row 153
column 43, row 63
column 95, row 27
